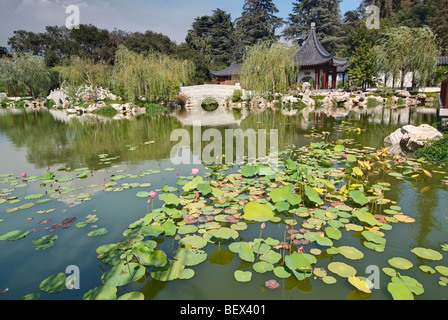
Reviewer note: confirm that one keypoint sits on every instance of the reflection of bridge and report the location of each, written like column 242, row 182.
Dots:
column 197, row 94
column 220, row 117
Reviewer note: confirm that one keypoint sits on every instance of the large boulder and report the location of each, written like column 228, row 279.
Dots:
column 413, row 138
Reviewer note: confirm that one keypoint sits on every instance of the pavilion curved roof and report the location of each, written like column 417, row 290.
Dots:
column 234, row 69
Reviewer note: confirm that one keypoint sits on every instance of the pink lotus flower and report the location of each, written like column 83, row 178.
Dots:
column 194, row 171
column 152, row 194
column 272, row 284
column 344, row 156
column 263, row 225
column 24, row 175
column 306, row 150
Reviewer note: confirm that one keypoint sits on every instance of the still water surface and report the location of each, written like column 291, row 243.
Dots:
column 36, row 143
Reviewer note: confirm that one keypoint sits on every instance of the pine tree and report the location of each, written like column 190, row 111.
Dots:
column 258, row 22
column 327, row 16
column 221, row 40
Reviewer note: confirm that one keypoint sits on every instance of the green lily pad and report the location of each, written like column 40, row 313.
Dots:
column 400, row 291
column 143, row 194
column 359, row 284
column 400, row 263
column 98, row 232
column 428, row 254
column 333, row 233
column 123, row 274
column 170, row 199
column 147, row 256
column 359, row 197
column 342, row 269
column 193, row 241
column 169, row 272
column 243, row 276
column 14, row 235
column 427, row 269
column 329, row 280
column 189, row 256
column 34, row 196
column 366, row 217
column 101, row 293
column 351, row 252
column 413, row 285
column 45, row 242
column 132, row 296
column 313, row 195
column 263, row 267
column 244, row 251
column 442, row 270
column 54, row 283
column 259, row 212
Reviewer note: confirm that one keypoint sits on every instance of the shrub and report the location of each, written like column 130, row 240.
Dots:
column 237, row 96
column 435, row 152
column 107, row 111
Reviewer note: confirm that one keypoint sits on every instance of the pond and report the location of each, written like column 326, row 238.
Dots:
column 84, row 191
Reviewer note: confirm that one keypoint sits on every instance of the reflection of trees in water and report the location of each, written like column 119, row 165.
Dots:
column 78, row 144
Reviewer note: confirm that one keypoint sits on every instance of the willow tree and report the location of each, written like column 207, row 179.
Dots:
column 269, row 68
column 153, row 76
column 77, row 72
column 403, row 50
column 26, row 73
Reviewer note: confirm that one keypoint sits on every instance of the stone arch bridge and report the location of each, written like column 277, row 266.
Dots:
column 197, row 94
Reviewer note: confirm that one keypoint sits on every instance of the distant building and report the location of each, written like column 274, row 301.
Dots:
column 317, row 65
column 229, row 76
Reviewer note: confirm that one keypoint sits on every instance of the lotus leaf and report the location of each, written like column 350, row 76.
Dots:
column 189, row 256
column 45, row 242
column 413, row 285
column 271, row 256
column 34, row 196
column 263, row 267
column 243, row 276
column 342, row 269
column 259, row 212
column 249, row 171
column 101, row 293
column 147, row 256
column 132, row 296
column 122, row 274
column 333, row 233
column 428, row 254
column 54, row 283
column 359, row 284
column 427, row 269
column 390, row 272
column 97, row 233
column 14, row 235
column 366, row 217
column 143, row 194
column 400, row 263
column 244, row 251
column 221, row 257
column 193, row 241
column 299, row 264
column 186, row 274
column 168, row 272
column 359, row 197
column 351, row 253
column 442, row 270
column 185, row 229
column 220, row 234
column 313, row 195
column 170, row 199
column 329, row 280
column 373, row 237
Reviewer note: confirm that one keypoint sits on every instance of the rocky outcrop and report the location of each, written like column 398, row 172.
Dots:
column 412, row 138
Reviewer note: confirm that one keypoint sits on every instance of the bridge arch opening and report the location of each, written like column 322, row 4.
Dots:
column 210, row 104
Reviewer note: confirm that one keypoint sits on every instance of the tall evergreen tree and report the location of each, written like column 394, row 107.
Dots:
column 439, row 22
column 221, row 40
column 327, row 16
column 258, row 22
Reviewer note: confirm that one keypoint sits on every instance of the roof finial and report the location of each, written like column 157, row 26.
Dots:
column 313, row 25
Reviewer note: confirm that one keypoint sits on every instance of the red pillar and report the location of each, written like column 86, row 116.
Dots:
column 325, row 78
column 316, row 78
column 334, row 77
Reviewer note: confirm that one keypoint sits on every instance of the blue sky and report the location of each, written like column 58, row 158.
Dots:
column 170, row 17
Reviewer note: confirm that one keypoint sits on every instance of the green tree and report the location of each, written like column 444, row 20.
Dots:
column 402, row 50
column 327, row 16
column 149, row 42
column 269, row 68
column 438, row 22
column 258, row 22
column 221, row 40
column 25, row 74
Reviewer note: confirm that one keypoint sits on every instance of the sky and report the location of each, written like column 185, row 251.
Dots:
column 170, row 17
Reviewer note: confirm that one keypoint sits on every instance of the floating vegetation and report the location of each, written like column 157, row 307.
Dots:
column 307, row 213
